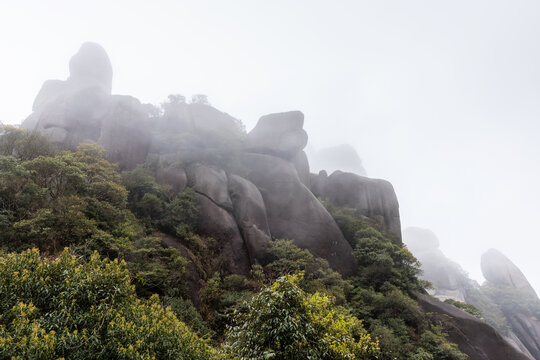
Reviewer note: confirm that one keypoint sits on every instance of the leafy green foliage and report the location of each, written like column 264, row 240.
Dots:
column 67, row 308
column 157, row 269
column 318, row 276
column 159, row 207
column 382, row 293
column 71, row 198
column 284, row 322
column 24, row 144
column 471, row 309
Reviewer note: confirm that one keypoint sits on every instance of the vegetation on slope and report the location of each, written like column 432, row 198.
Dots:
column 51, row 199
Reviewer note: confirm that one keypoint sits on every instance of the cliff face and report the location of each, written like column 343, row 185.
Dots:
column 250, row 187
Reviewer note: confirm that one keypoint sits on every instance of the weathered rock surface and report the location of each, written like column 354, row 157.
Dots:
column 219, row 224
column 211, row 182
column 294, row 213
column 250, row 214
column 527, row 330
column 280, row 134
column 171, row 172
column 372, row 198
column 301, row 164
column 473, row 336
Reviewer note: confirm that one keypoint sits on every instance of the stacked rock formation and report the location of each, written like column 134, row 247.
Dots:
column 82, row 108
column 250, row 187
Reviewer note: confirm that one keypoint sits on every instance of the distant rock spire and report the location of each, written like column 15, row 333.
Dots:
column 501, row 271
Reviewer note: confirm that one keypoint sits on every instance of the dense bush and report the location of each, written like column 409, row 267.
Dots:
column 283, row 322
column 73, row 309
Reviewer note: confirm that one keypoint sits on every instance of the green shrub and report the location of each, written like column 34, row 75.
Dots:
column 68, row 308
column 284, row 322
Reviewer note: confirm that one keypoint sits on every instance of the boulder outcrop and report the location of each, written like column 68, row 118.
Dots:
column 251, row 187
column 473, row 336
column 280, row 134
column 295, row 213
column 82, row 109
column 372, row 198
column 500, row 271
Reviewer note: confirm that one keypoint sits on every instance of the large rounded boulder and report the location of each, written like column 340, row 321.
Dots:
column 294, row 213
column 279, row 134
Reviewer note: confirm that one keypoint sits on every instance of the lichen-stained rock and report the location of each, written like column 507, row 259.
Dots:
column 372, row 198
column 211, row 182
column 250, row 214
column 279, row 134
column 219, row 224
column 500, row 271
column 294, row 213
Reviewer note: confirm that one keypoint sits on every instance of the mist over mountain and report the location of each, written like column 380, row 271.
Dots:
column 193, row 180
column 214, row 227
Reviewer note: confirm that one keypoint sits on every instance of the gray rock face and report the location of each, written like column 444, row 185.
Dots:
column 294, row 213
column 500, row 271
column 82, row 109
column 170, row 172
column 372, row 198
column 250, row 214
column 527, row 330
column 210, row 182
column 280, row 134
column 219, row 224
column 473, row 336
column 301, row 164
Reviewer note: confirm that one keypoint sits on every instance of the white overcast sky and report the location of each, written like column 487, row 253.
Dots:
column 439, row 97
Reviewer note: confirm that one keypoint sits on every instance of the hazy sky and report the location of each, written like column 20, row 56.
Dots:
column 442, row 98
